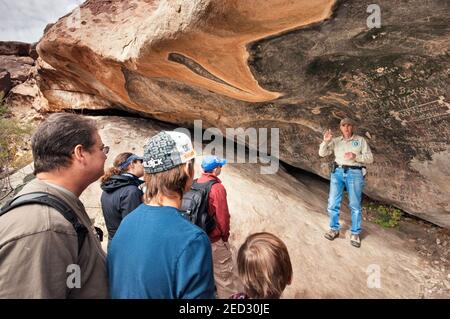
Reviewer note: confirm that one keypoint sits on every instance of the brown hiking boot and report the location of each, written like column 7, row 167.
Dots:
column 355, row 240
column 331, row 234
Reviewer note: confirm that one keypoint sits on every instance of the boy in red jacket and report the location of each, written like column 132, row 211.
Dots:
column 224, row 275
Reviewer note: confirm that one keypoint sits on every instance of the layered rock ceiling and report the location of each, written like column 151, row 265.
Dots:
column 296, row 65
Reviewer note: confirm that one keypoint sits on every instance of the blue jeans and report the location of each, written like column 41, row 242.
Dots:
column 353, row 180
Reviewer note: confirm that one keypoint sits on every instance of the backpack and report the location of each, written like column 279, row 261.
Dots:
column 47, row 199
column 195, row 205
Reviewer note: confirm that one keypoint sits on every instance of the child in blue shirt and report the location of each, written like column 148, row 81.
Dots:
column 156, row 252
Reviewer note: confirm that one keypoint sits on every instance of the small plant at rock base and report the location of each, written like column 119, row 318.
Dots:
column 386, row 216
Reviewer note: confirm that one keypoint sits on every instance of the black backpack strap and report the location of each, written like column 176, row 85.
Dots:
column 207, row 185
column 99, row 233
column 47, row 199
column 210, row 184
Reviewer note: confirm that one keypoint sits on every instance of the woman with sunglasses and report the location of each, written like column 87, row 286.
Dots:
column 121, row 191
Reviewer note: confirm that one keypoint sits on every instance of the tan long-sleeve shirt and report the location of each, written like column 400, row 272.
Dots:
column 356, row 144
column 37, row 246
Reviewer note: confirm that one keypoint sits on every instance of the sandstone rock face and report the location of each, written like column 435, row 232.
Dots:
column 14, row 48
column 296, row 65
column 32, row 53
column 27, row 95
column 17, row 61
column 19, row 67
column 5, row 83
column 294, row 210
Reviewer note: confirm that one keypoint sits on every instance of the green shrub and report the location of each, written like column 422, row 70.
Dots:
column 386, row 216
column 12, row 137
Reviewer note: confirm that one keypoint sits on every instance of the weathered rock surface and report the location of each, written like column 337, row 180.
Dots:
column 19, row 67
column 14, row 48
column 17, row 61
column 296, row 65
column 32, row 53
column 27, row 95
column 5, row 83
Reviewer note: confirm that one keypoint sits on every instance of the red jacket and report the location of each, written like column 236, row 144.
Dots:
column 218, row 208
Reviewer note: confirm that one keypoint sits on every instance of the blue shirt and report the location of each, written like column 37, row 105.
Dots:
column 156, row 253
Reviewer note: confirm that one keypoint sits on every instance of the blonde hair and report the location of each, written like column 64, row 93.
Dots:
column 264, row 266
column 169, row 183
column 115, row 169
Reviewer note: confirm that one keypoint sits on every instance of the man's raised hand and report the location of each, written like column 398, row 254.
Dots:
column 327, row 136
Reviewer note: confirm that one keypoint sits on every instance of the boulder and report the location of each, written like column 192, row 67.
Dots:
column 26, row 100
column 299, row 66
column 19, row 67
column 32, row 53
column 14, row 48
column 5, row 83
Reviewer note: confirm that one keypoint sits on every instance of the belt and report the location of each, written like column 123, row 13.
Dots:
column 345, row 167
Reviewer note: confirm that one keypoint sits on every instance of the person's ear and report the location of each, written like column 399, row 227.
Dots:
column 189, row 171
column 78, row 153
